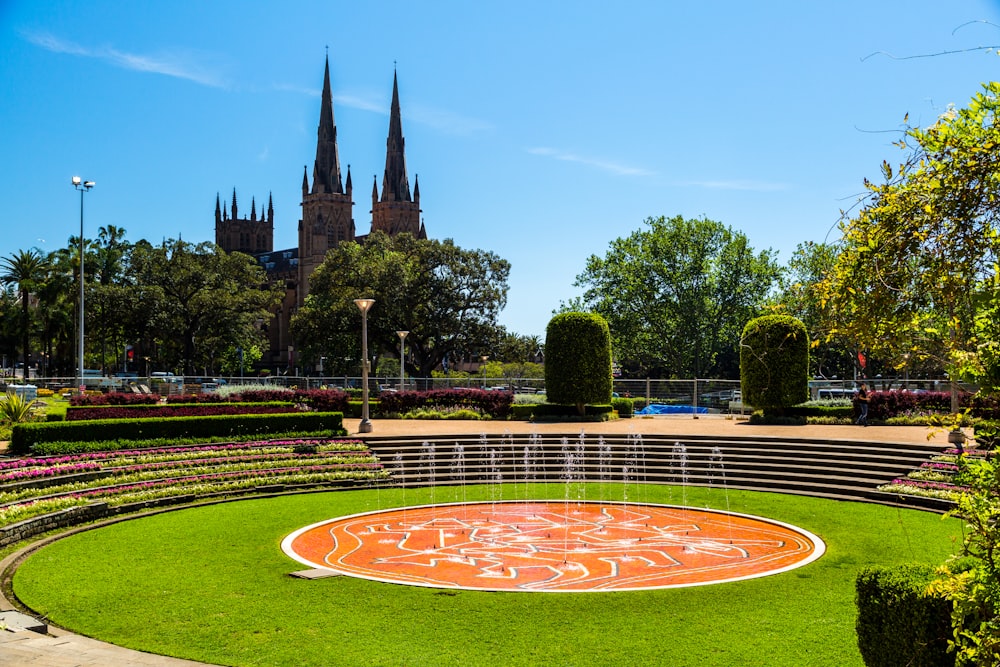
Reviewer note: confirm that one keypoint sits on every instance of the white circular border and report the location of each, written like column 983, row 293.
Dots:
column 819, row 548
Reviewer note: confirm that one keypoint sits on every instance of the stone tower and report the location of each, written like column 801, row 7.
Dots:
column 396, row 212
column 327, row 217
column 251, row 235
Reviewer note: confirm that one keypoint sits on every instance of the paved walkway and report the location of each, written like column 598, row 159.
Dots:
column 707, row 425
column 64, row 649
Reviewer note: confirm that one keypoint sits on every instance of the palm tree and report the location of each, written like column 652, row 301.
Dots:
column 111, row 252
column 26, row 268
column 8, row 324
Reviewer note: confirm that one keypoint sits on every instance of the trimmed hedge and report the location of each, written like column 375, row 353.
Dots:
column 496, row 404
column 834, row 411
column 25, row 436
column 559, row 411
column 623, row 406
column 522, row 412
column 183, row 410
column 578, row 360
column 774, row 363
column 898, row 622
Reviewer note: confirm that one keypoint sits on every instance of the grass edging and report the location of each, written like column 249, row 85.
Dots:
column 803, row 617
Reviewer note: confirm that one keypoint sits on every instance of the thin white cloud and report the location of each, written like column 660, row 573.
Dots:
column 614, row 167
column 444, row 120
column 750, row 186
column 299, row 90
column 180, row 65
column 362, row 103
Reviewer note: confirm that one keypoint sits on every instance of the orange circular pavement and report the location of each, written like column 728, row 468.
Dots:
column 553, row 546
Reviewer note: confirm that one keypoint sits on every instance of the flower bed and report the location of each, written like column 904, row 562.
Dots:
column 938, row 478
column 495, row 404
column 78, row 436
column 138, row 475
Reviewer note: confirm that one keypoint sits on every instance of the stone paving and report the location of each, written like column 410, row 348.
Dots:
column 64, row 649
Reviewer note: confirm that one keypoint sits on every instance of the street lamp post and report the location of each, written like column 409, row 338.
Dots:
column 364, row 305
column 402, row 376
column 82, row 186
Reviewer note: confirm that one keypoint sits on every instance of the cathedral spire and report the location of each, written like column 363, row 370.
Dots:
column 218, row 209
column 326, row 170
column 233, row 214
column 395, row 186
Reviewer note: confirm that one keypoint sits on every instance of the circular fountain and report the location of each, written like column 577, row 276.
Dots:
column 553, row 546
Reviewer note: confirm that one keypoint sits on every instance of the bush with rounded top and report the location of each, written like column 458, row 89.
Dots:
column 774, row 363
column 578, row 360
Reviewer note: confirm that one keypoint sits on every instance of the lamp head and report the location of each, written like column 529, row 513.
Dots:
column 402, row 334
column 364, row 304
column 76, row 180
column 89, row 184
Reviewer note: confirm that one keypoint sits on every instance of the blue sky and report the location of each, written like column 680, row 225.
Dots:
column 539, row 130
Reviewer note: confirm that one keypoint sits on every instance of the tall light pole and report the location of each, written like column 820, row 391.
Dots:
column 402, row 338
column 82, row 186
column 364, row 305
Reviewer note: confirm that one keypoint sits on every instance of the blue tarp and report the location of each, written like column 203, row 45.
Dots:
column 657, row 409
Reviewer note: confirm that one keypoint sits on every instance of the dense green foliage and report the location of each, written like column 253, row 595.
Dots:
column 972, row 583
column 207, row 299
column 774, row 362
column 801, row 297
column 578, row 360
column 179, row 305
column 448, row 299
column 16, row 409
column 25, row 437
column 916, row 276
column 27, row 270
column 677, row 294
column 625, row 407
column 222, row 594
column 899, row 622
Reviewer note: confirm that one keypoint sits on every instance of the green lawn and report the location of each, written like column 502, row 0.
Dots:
column 211, row 584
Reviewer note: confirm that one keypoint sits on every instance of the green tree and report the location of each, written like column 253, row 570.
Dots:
column 676, row 295
column 448, row 299
column 578, row 360
column 924, row 243
column 58, row 295
column 801, row 297
column 202, row 299
column 9, row 315
column 238, row 360
column 27, row 269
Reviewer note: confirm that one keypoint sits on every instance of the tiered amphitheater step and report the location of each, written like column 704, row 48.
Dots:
column 847, row 470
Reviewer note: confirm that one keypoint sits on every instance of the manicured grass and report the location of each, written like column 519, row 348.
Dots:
column 211, row 584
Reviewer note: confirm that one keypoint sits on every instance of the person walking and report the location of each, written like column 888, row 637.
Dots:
column 862, row 399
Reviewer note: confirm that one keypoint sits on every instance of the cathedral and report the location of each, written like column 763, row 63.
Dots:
column 327, row 220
